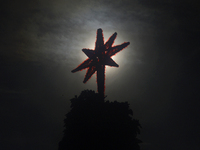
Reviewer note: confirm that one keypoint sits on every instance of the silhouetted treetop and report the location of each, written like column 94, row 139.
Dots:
column 97, row 125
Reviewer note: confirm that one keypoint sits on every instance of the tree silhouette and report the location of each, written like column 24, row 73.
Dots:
column 95, row 124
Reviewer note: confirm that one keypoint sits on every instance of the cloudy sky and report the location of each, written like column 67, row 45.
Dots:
column 158, row 74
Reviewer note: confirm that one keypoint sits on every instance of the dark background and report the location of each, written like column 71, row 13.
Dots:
column 41, row 43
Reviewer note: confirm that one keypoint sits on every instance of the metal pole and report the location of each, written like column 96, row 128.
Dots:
column 101, row 80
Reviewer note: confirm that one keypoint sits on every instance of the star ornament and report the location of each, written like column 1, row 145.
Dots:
column 101, row 56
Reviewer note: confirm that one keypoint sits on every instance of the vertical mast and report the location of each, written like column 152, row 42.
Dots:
column 100, row 51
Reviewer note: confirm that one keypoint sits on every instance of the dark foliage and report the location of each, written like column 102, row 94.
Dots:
column 93, row 124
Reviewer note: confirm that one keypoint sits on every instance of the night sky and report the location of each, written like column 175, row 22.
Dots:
column 42, row 40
